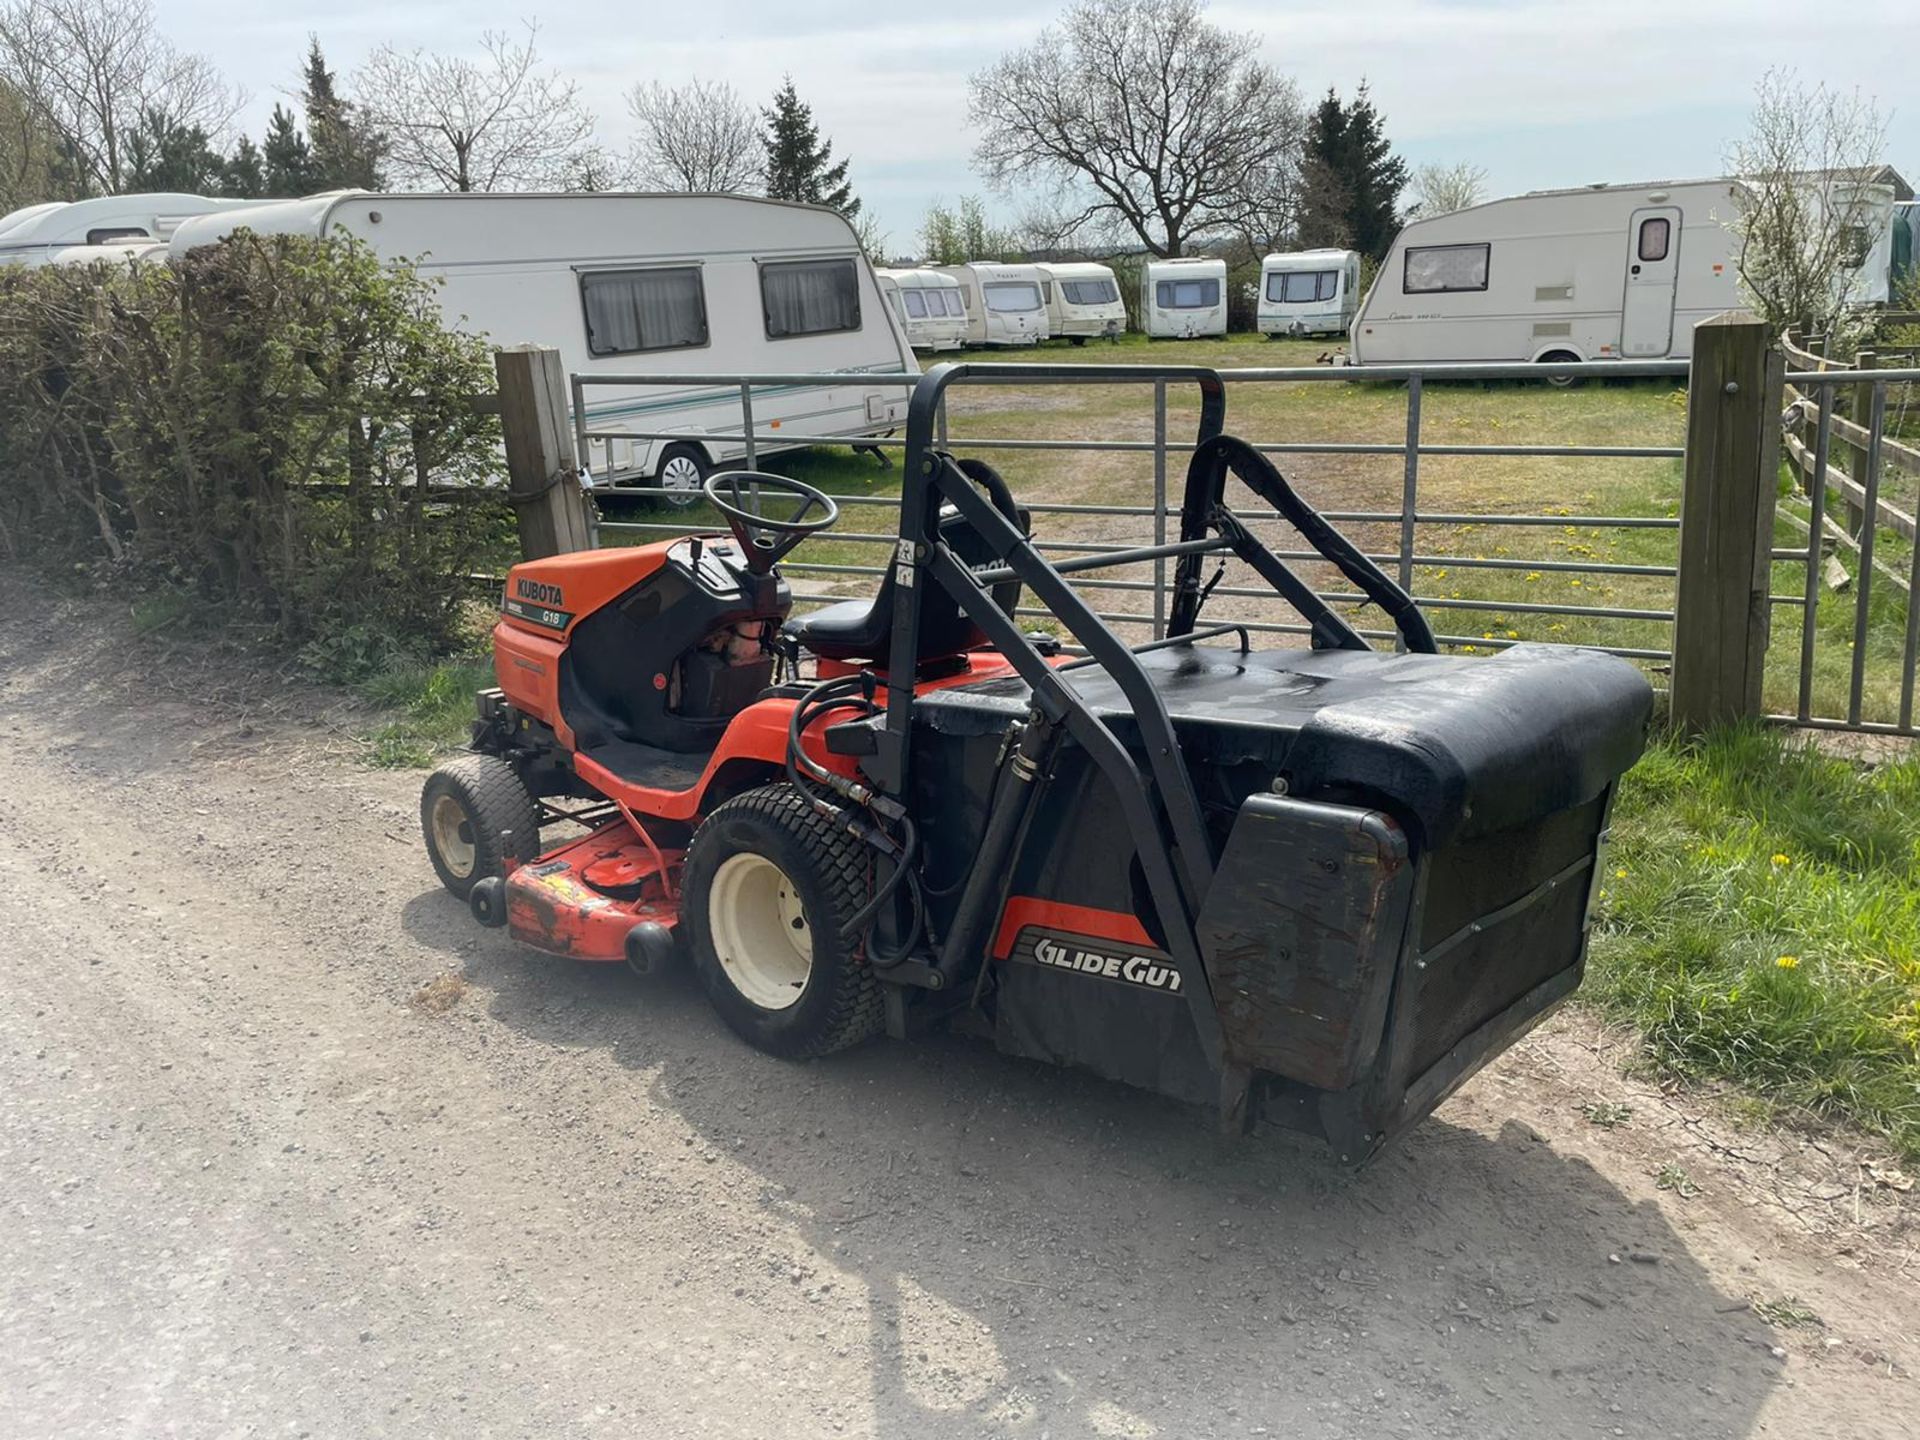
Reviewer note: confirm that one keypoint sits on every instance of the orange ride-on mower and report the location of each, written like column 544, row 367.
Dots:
column 1317, row 887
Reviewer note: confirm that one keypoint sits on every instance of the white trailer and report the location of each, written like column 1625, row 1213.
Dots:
column 1003, row 302
column 1602, row 273
column 1184, row 298
column 39, row 234
column 1083, row 299
column 1308, row 292
column 927, row 305
column 638, row 284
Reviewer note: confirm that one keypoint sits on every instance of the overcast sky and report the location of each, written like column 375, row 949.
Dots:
column 1539, row 92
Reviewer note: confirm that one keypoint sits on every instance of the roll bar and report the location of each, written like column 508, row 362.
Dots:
column 1157, row 797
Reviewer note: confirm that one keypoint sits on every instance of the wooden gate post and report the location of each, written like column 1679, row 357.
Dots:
column 1722, row 616
column 543, row 476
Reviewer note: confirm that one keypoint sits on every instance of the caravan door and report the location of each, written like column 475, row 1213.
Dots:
column 1653, row 264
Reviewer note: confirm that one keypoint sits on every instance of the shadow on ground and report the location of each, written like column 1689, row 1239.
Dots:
column 1043, row 1252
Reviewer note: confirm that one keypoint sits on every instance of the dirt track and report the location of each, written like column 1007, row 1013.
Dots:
column 249, row 1185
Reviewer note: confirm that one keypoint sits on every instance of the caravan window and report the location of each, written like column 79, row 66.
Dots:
column 1435, row 269
column 633, row 310
column 1654, row 235
column 809, row 297
column 1004, row 296
column 916, row 304
column 1089, row 292
column 107, row 235
column 1046, row 291
column 1298, row 287
column 1186, row 294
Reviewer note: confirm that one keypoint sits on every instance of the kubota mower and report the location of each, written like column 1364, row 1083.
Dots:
column 1317, row 886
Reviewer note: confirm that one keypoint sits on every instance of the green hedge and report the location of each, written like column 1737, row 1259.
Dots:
column 276, row 428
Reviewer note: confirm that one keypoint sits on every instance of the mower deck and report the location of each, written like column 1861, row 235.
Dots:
column 583, row 898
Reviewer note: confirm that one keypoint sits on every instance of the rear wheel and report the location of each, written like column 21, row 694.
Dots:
column 768, row 884
column 1562, row 357
column 682, row 471
column 464, row 807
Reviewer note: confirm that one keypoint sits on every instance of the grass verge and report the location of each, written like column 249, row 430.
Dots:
column 1761, row 924
column 431, row 705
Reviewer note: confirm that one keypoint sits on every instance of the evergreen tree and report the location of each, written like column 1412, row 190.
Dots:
column 288, row 167
column 346, row 149
column 163, row 154
column 799, row 162
column 1352, row 177
column 245, row 176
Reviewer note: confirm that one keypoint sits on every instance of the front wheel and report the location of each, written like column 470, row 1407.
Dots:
column 465, row 806
column 769, row 883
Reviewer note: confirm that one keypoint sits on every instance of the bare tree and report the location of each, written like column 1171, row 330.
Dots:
column 1806, row 200
column 1153, row 116
column 499, row 122
column 699, row 137
column 1442, row 189
column 953, row 236
column 86, row 72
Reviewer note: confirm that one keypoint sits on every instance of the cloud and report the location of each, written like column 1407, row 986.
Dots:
column 1540, row 92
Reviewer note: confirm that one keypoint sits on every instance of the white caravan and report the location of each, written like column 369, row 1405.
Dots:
column 40, row 234
column 1602, row 273
column 927, row 305
column 638, row 284
column 1867, row 203
column 1308, row 292
column 1082, row 299
column 1184, row 298
column 1004, row 304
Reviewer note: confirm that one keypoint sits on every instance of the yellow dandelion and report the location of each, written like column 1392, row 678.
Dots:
column 1533, row 575
column 1619, row 874
column 1513, row 634
column 1574, row 583
column 1788, row 962
column 1780, row 859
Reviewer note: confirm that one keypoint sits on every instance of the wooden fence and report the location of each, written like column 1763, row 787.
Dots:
column 1854, row 449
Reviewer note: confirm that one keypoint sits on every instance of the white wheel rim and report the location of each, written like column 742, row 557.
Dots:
column 452, row 835
column 760, row 931
column 680, row 477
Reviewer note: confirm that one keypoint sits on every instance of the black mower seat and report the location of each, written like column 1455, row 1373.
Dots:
column 851, row 630
column 863, row 629
column 1461, row 745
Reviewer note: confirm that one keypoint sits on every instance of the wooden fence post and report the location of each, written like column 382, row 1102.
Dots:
column 1722, row 616
column 543, row 476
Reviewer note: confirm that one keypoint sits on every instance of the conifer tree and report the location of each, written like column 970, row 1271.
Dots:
column 799, row 162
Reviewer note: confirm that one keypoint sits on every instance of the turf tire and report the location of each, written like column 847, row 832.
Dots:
column 831, row 872
column 490, row 797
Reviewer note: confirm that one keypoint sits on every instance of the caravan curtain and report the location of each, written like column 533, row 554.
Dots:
column 810, row 297
column 633, row 310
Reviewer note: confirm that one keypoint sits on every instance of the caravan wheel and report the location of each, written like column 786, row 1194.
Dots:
column 682, row 471
column 1562, row 357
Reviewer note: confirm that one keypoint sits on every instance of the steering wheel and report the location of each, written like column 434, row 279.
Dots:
column 737, row 494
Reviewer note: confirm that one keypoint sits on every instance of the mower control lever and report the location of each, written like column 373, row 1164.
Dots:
column 764, row 539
